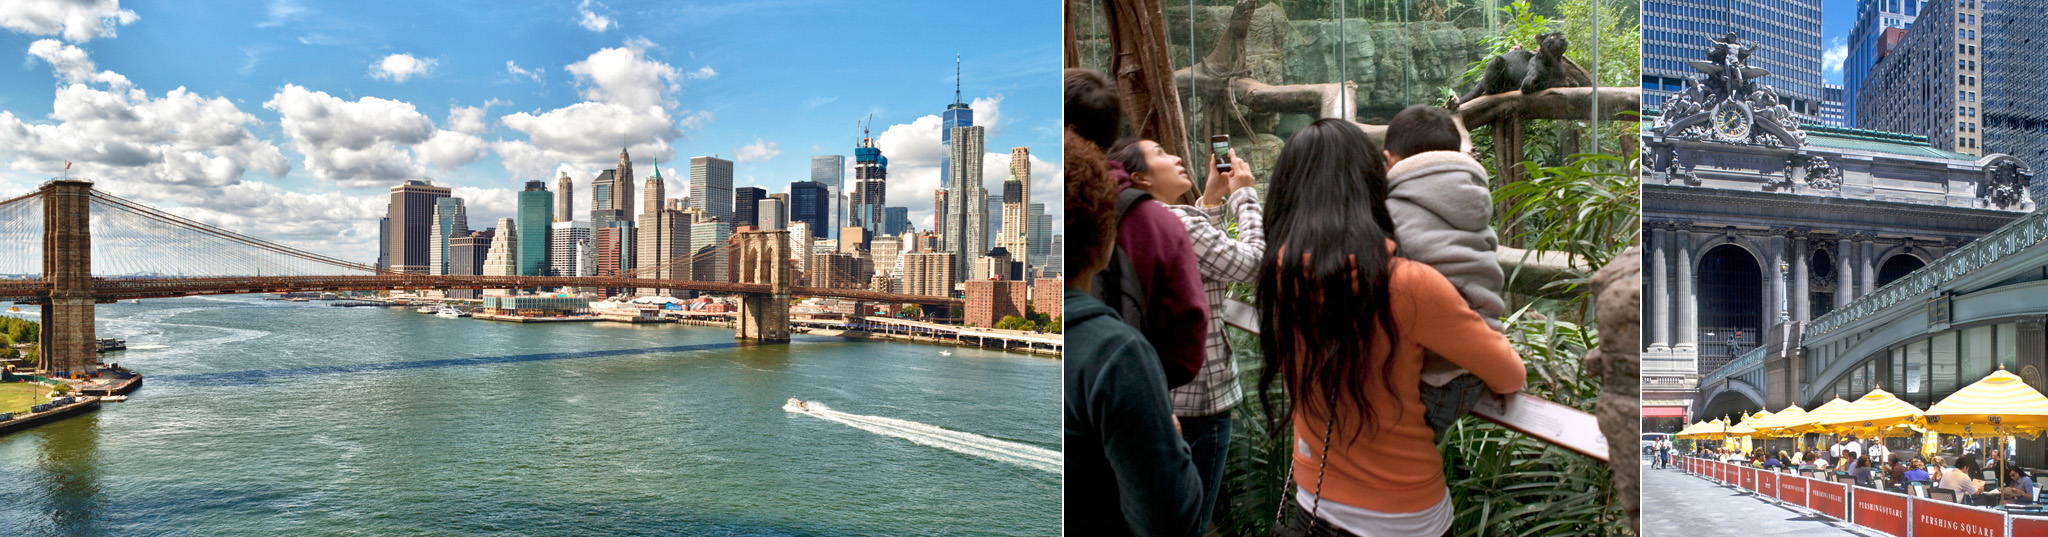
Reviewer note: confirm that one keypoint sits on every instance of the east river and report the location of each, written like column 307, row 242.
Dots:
column 269, row 418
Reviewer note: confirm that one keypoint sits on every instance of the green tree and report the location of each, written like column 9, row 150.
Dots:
column 1055, row 326
column 913, row 310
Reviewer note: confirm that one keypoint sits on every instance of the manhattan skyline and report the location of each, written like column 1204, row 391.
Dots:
column 291, row 121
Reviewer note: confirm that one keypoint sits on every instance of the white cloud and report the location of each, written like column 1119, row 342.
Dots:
column 587, row 135
column 537, row 74
column 74, row 20
column 73, row 66
column 470, row 119
column 759, row 151
column 818, row 101
column 702, row 73
column 282, row 11
column 450, row 150
column 1831, row 59
column 357, row 143
column 592, row 21
column 626, row 76
column 400, row 67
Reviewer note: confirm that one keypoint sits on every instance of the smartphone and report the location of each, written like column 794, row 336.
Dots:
column 1220, row 146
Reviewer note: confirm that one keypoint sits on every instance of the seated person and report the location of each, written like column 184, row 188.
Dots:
column 2019, row 487
column 1917, row 471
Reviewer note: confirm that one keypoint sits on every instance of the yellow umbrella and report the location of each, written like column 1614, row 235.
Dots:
column 1810, row 421
column 1686, row 432
column 1770, row 426
column 1713, row 430
column 1876, row 413
column 1744, row 428
column 1998, row 405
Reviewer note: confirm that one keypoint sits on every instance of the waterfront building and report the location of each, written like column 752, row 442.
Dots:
column 450, row 220
column 829, row 172
column 1016, row 230
column 800, row 239
column 809, row 202
column 565, row 199
column 1754, row 228
column 939, row 212
column 564, row 239
column 957, row 115
column 536, row 306
column 711, row 187
column 773, row 214
column 836, row 270
column 411, row 217
column 1056, row 259
column 503, row 259
column 663, row 235
column 709, row 238
column 870, row 186
column 895, row 220
column 466, row 255
column 1038, row 244
column 614, row 246
column 1787, row 34
column 989, row 301
column 966, row 216
column 886, row 251
column 746, row 206
column 535, row 206
column 1879, row 26
column 928, row 273
column 1047, row 297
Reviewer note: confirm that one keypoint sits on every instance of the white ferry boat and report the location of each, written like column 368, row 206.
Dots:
column 450, row 312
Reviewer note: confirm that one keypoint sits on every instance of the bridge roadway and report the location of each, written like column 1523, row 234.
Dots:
column 123, row 289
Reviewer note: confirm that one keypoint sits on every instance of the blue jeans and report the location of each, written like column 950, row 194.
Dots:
column 1208, row 438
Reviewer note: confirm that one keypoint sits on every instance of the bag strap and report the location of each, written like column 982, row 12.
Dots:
column 1322, row 465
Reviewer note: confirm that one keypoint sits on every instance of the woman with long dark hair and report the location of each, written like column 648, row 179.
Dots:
column 1344, row 322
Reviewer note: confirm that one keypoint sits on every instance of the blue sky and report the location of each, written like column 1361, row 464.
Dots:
column 291, row 118
column 1836, row 18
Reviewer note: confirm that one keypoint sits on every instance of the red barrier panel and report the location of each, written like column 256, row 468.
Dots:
column 1933, row 518
column 1792, row 489
column 1831, row 499
column 1767, row 484
column 1748, row 478
column 1881, row 511
column 2026, row 525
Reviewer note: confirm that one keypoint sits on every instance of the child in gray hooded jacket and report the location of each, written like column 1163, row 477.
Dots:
column 1443, row 213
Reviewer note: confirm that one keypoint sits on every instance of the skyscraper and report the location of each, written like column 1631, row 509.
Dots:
column 503, row 258
column 992, row 219
column 830, row 171
column 772, row 213
column 967, row 201
column 708, row 239
column 711, row 187
column 1040, row 240
column 1786, row 33
column 450, row 220
column 957, row 115
column 746, row 206
column 565, row 199
column 939, row 212
column 1880, row 25
column 870, row 186
column 1926, row 83
column 809, row 203
column 1056, row 258
column 563, row 239
column 622, row 186
column 895, row 220
column 535, row 205
column 412, row 214
column 602, row 213
column 1016, row 230
column 663, row 236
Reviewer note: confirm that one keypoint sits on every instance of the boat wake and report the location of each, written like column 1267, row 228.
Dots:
column 1027, row 456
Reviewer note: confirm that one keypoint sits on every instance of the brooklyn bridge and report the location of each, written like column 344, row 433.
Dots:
column 99, row 248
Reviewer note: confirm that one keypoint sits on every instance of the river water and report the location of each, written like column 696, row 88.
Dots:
column 269, row 418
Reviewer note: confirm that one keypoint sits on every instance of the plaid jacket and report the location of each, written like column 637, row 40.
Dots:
column 1223, row 261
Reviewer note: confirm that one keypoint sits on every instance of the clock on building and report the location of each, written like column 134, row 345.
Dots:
column 1732, row 120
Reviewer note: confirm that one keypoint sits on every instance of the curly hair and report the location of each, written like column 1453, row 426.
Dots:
column 1091, row 204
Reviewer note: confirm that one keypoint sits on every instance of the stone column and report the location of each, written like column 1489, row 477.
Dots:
column 66, row 335
column 1775, row 258
column 1845, row 274
column 1660, row 288
column 1688, row 325
column 1802, row 304
column 1866, row 267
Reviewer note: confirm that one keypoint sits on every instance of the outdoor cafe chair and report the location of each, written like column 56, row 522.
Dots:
column 1917, row 487
column 1947, row 495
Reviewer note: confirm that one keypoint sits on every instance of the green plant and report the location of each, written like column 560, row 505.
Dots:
column 1587, row 209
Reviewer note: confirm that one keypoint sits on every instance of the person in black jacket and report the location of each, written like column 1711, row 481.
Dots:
column 1127, row 470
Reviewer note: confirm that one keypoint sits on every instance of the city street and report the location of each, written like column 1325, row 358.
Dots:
column 1678, row 504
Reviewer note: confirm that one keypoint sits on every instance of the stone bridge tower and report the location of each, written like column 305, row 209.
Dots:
column 65, row 339
column 764, row 258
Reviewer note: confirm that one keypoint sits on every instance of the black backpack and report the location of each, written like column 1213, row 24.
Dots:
column 1118, row 285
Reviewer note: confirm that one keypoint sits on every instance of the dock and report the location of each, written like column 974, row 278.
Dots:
column 16, row 422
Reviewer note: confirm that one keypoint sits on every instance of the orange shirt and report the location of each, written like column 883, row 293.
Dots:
column 1397, row 469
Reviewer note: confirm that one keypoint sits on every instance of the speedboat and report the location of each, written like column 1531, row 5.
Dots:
column 797, row 405
column 945, row 353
